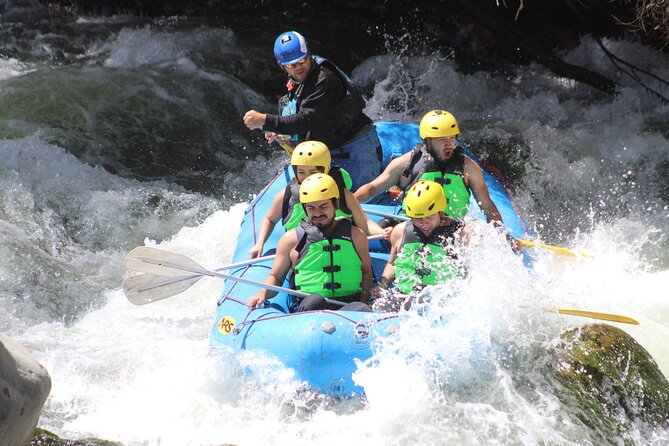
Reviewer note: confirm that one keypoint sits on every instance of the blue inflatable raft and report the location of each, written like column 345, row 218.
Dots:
column 321, row 346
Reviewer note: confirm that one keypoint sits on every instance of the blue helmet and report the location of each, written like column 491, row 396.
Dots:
column 290, row 47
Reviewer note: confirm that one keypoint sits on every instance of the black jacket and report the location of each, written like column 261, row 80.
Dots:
column 329, row 109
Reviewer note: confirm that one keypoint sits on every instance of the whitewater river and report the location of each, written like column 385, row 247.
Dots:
column 116, row 133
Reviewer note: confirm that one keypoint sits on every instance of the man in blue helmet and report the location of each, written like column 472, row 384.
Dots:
column 322, row 104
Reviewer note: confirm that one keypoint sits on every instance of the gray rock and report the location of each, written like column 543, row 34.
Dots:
column 24, row 386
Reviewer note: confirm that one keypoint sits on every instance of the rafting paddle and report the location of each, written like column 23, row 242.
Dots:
column 150, row 287
column 559, row 250
column 285, row 143
column 156, row 262
column 523, row 242
column 159, row 283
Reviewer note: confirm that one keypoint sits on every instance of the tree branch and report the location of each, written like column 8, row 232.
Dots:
column 524, row 43
column 617, row 61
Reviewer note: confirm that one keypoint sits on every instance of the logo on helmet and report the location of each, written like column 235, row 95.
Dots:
column 286, row 38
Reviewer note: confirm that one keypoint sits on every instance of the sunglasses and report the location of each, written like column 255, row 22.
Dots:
column 299, row 62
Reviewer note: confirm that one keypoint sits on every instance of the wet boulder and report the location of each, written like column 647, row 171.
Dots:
column 610, row 381
column 24, row 386
column 44, row 437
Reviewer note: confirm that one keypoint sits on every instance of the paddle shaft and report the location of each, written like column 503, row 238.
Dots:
column 386, row 214
column 246, row 262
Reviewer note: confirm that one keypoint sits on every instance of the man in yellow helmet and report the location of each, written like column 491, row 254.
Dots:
column 310, row 157
column 329, row 257
column 422, row 249
column 440, row 159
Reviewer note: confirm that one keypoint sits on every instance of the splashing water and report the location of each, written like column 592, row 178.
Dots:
column 141, row 142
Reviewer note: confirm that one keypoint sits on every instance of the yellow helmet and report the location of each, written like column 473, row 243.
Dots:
column 317, row 187
column 437, row 124
column 311, row 153
column 425, row 198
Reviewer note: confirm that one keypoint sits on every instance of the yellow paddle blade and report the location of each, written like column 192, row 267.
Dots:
column 557, row 249
column 596, row 315
column 285, row 143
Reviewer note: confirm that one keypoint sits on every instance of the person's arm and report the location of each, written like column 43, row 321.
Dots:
column 280, row 269
column 474, row 180
column 463, row 235
column 388, row 178
column 374, row 228
column 380, row 292
column 389, row 271
column 267, row 225
column 254, row 119
column 360, row 243
column 360, row 219
column 315, row 102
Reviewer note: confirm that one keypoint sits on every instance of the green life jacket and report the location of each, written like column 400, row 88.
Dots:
column 430, row 260
column 330, row 267
column 292, row 211
column 450, row 175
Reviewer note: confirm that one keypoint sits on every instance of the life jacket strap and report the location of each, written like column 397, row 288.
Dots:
column 443, row 181
column 423, row 272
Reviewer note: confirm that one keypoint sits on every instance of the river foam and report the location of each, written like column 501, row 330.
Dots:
column 140, row 142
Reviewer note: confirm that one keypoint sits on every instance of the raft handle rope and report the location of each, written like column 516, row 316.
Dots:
column 365, row 324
